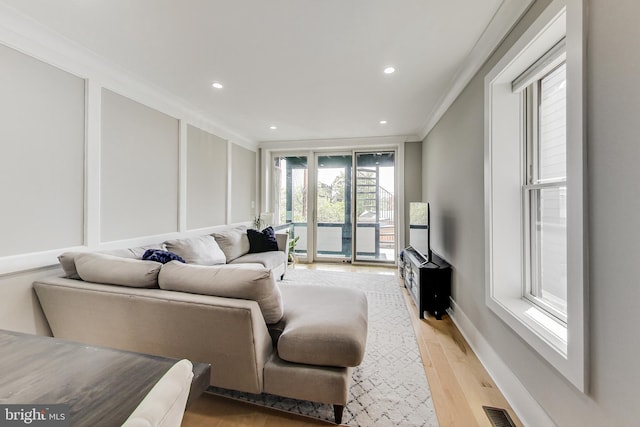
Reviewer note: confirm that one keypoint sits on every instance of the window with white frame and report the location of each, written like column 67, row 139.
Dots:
column 545, row 181
column 534, row 190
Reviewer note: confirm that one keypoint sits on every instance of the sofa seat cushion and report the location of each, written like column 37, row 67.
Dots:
column 115, row 270
column 270, row 260
column 246, row 281
column 203, row 250
column 324, row 325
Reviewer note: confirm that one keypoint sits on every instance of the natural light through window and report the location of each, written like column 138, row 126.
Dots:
column 534, row 191
column 545, row 192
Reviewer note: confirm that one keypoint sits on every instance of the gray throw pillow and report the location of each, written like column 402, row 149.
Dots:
column 202, row 250
column 67, row 261
column 233, row 242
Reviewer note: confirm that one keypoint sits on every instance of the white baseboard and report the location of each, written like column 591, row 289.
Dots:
column 525, row 406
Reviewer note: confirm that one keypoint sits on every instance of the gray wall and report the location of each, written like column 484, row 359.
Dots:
column 453, row 183
column 412, row 180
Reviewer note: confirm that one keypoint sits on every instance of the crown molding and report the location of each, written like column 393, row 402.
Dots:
column 335, row 143
column 500, row 25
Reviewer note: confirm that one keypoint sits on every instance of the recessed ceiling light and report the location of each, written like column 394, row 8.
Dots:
column 389, row 70
column 383, row 122
column 217, row 85
column 273, row 127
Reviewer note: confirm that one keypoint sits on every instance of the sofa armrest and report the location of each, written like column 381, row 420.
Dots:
column 283, row 243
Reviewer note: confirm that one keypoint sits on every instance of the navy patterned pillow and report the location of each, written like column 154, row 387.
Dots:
column 161, row 256
column 262, row 241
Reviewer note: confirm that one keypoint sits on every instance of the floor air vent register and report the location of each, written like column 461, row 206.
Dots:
column 498, row 417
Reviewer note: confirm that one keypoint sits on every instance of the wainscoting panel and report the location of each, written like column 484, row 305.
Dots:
column 138, row 170
column 243, row 184
column 206, row 179
column 42, row 116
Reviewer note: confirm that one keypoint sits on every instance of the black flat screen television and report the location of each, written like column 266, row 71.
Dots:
column 419, row 229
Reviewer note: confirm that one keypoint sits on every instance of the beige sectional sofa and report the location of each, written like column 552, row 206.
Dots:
column 258, row 334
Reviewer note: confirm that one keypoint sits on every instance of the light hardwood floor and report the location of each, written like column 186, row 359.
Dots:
column 459, row 384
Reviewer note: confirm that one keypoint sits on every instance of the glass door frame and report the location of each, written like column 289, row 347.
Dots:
column 273, row 193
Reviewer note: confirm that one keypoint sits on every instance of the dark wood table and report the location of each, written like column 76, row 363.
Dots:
column 102, row 386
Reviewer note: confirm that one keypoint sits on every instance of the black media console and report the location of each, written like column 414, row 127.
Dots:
column 429, row 283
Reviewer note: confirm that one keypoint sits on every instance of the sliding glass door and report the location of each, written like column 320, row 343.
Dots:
column 374, row 218
column 333, row 207
column 340, row 206
column 291, row 181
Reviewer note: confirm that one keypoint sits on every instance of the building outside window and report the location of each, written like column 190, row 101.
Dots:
column 545, row 192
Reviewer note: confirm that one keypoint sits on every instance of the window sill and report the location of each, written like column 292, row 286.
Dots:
column 537, row 327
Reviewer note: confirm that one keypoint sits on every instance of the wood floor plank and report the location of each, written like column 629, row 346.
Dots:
column 449, row 398
column 475, row 383
column 216, row 411
column 459, row 383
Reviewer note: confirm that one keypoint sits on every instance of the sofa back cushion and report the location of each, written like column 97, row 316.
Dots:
column 202, row 250
column 233, row 242
column 248, row 281
column 134, row 253
column 68, row 259
column 115, row 270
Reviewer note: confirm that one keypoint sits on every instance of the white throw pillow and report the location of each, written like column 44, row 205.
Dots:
column 202, row 250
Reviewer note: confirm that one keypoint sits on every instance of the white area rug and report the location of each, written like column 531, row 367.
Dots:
column 389, row 388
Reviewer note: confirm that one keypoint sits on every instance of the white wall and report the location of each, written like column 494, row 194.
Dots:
column 41, row 166
column 94, row 159
column 243, row 184
column 453, row 183
column 206, row 179
column 138, row 170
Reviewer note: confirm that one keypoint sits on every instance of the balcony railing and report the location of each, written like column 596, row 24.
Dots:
column 334, row 239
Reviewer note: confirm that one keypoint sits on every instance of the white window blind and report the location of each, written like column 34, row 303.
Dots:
column 547, row 62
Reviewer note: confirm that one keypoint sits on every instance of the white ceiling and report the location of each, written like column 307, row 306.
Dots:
column 313, row 68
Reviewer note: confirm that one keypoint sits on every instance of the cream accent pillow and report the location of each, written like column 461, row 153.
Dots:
column 114, row 270
column 233, row 242
column 68, row 264
column 250, row 282
column 201, row 250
